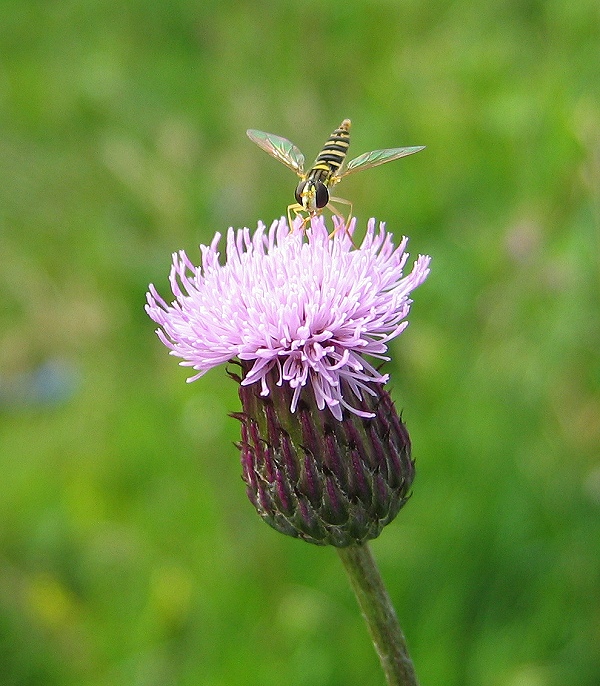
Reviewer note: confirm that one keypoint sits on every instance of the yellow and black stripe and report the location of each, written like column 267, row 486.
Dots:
column 332, row 156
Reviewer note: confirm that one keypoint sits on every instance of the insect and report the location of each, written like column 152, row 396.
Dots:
column 312, row 192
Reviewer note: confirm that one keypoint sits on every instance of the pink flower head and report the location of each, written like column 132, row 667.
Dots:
column 307, row 306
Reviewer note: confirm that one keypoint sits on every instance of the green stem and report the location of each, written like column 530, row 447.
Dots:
column 378, row 611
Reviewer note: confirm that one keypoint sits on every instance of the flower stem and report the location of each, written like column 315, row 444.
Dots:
column 378, row 611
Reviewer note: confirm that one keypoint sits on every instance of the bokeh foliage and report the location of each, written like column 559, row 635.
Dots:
column 128, row 553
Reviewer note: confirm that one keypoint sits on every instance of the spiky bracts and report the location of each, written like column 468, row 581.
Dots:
column 326, row 481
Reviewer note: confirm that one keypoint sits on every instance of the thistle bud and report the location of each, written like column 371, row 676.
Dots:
column 325, row 456
column 324, row 480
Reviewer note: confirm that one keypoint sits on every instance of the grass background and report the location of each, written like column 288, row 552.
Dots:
column 129, row 554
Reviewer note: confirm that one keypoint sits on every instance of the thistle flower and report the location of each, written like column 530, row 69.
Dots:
column 324, row 453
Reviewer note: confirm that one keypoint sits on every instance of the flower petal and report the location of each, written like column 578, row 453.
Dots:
column 309, row 303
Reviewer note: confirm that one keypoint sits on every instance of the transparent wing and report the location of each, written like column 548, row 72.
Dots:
column 279, row 148
column 377, row 157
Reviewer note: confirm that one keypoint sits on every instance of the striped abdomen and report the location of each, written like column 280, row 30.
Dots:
column 331, row 158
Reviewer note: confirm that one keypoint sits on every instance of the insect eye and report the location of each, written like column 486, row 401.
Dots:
column 322, row 195
column 299, row 190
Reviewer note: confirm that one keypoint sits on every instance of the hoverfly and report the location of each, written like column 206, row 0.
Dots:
column 312, row 193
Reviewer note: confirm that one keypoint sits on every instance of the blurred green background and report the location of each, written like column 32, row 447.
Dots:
column 129, row 554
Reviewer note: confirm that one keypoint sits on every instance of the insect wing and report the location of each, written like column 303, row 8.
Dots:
column 377, row 157
column 279, row 148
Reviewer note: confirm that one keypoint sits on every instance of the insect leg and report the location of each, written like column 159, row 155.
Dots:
column 345, row 220
column 297, row 209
